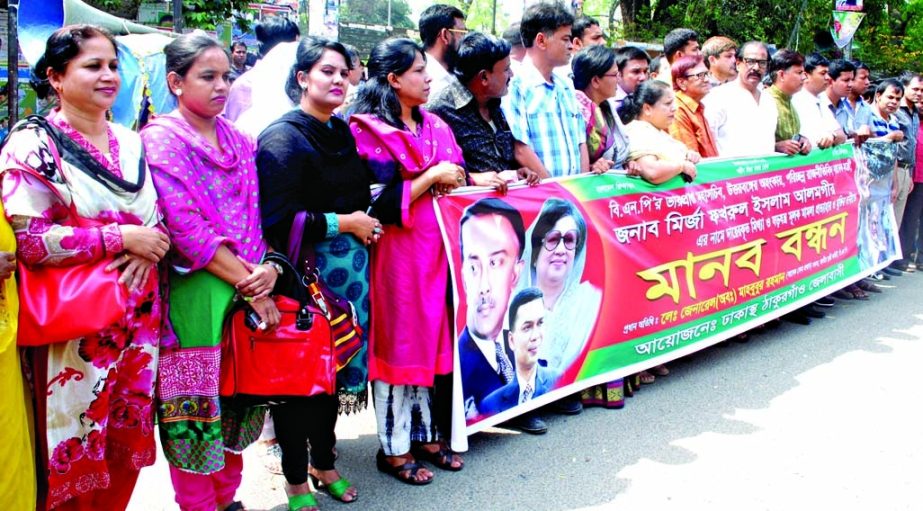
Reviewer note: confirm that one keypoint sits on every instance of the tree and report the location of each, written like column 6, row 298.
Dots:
column 375, row 12
column 204, row 14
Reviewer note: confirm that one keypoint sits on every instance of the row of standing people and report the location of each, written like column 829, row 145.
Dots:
column 208, row 205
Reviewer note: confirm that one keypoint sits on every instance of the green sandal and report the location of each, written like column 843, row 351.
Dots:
column 336, row 489
column 298, row 502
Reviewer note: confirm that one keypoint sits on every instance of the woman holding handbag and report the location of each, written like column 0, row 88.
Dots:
column 412, row 153
column 205, row 173
column 311, row 176
column 77, row 195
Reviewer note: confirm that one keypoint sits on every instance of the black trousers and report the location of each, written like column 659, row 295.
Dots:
column 298, row 421
column 910, row 225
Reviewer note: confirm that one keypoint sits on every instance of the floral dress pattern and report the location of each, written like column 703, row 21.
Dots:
column 94, row 395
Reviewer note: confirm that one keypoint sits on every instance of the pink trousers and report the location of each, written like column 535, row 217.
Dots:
column 198, row 492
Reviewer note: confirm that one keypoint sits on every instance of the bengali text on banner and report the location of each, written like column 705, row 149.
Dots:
column 583, row 280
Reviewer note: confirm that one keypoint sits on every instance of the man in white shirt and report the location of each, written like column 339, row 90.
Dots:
column 818, row 122
column 742, row 116
column 441, row 28
column 634, row 69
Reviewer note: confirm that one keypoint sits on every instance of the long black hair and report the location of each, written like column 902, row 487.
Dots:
column 376, row 96
column 61, row 48
column 309, row 52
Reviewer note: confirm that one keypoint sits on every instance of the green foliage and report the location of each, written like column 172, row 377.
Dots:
column 890, row 38
column 375, row 12
column 208, row 14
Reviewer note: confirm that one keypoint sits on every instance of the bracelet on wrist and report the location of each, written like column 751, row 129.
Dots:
column 275, row 266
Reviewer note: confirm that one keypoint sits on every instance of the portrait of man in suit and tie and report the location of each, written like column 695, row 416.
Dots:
column 525, row 337
column 492, row 240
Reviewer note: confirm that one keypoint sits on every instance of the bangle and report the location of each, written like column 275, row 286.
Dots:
column 333, row 225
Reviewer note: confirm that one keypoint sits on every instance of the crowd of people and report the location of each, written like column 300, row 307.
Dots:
column 188, row 211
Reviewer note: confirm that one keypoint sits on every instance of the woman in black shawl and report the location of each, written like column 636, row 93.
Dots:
column 307, row 161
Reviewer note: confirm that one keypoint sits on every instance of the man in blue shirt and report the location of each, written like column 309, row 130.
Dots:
column 541, row 108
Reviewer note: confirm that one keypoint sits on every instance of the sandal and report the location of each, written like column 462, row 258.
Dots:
column 646, row 377
column 406, row 473
column 443, row 458
column 660, row 370
column 336, row 489
column 302, row 501
column 856, row 292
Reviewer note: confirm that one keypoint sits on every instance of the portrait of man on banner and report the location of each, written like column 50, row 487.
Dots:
column 525, row 337
column 556, row 256
column 492, row 239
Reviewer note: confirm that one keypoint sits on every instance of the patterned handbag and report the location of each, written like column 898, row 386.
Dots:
column 347, row 334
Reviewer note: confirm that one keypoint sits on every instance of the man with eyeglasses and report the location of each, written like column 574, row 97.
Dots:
column 690, row 83
column 441, row 28
column 742, row 117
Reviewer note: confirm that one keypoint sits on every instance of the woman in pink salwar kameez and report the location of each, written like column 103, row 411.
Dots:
column 411, row 153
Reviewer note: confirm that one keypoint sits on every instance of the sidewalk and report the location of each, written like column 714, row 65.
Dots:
column 820, row 417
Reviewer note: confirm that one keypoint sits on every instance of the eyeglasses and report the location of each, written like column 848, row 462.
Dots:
column 554, row 238
column 458, row 30
column 760, row 63
column 612, row 75
column 700, row 76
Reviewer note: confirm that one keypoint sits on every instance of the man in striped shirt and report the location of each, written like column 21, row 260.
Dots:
column 541, row 108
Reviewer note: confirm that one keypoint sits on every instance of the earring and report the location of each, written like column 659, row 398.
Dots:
column 179, row 92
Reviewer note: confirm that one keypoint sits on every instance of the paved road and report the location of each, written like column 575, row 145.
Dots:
column 819, row 417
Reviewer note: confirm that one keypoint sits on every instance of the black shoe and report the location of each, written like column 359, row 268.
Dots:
column 798, row 317
column 528, row 423
column 825, row 302
column 812, row 312
column 569, row 405
column 901, row 265
column 891, row 271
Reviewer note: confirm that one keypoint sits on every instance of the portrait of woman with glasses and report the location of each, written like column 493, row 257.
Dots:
column 556, row 253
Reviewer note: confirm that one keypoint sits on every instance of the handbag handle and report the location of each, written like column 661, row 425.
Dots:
column 295, row 237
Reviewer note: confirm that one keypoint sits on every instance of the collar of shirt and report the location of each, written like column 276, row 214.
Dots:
column 459, row 95
column 687, row 101
column 532, row 77
column 487, row 348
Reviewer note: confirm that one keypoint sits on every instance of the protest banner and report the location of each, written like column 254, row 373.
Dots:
column 586, row 279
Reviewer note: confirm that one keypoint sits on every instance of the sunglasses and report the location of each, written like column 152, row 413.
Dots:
column 554, row 238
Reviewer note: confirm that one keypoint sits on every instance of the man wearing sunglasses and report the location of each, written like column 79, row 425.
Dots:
column 441, row 28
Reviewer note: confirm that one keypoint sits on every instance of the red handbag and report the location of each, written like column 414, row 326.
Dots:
column 61, row 303
column 295, row 359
